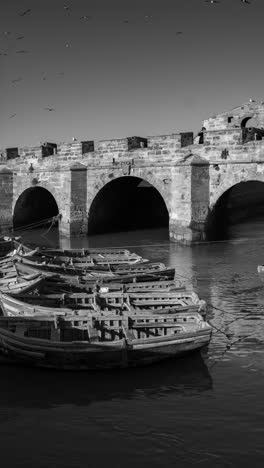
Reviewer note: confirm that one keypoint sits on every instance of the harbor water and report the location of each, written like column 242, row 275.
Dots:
column 204, row 410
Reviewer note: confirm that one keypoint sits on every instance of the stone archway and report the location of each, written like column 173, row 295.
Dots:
column 127, row 203
column 34, row 206
column 243, row 200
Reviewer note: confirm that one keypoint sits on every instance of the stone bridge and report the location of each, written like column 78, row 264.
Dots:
column 89, row 187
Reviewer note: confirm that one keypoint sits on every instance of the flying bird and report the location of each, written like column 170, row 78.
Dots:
column 22, row 52
column 24, row 13
column 178, row 33
column 12, row 116
column 16, row 80
column 3, row 53
column 67, row 8
column 246, row 1
column 50, row 109
column 18, row 38
column 6, row 33
column 85, row 17
column 212, row 1
column 67, row 45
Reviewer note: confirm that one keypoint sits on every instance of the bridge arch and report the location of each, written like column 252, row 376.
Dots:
column 34, row 204
column 236, row 203
column 127, row 202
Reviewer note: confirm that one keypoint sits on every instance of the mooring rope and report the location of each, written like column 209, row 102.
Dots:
column 26, row 227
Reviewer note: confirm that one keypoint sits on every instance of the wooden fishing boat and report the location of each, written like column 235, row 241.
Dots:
column 115, row 263
column 91, row 286
column 79, row 262
column 12, row 279
column 85, row 260
column 76, row 252
column 33, row 304
column 146, row 286
column 57, row 264
column 10, row 256
column 75, row 276
column 60, row 269
column 22, row 285
column 144, row 300
column 99, row 341
column 25, row 305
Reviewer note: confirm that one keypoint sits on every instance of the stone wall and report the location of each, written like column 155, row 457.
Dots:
column 190, row 177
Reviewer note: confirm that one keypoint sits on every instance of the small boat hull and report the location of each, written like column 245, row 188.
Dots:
column 75, row 276
column 21, row 287
column 83, row 356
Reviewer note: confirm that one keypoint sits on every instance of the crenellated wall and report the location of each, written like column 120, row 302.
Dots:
column 189, row 176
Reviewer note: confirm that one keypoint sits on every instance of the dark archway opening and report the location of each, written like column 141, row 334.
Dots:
column 242, row 203
column 126, row 204
column 248, row 122
column 34, row 206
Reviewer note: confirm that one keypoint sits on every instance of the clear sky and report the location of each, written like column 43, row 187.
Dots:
column 124, row 70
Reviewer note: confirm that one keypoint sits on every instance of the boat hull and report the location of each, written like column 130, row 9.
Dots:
column 105, row 277
column 82, row 356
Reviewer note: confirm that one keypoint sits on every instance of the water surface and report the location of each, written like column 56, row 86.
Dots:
column 198, row 411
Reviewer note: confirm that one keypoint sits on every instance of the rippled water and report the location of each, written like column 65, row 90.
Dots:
column 198, row 411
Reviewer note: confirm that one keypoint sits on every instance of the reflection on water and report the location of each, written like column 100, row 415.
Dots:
column 195, row 411
column 48, row 388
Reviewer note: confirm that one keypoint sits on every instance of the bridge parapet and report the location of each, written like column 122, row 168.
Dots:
column 121, row 144
column 172, row 141
column 230, row 137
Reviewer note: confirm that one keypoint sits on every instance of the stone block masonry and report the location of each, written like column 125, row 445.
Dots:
column 190, row 177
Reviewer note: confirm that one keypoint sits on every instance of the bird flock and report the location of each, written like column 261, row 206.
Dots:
column 84, row 18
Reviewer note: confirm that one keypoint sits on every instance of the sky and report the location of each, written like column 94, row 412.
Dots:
column 128, row 68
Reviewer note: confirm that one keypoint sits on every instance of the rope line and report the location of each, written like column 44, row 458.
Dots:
column 32, row 225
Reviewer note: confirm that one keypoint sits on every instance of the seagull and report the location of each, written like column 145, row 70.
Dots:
column 6, row 33
column 25, row 12
column 67, row 8
column 12, row 116
column 67, row 45
column 50, row 109
column 178, row 33
column 22, row 52
column 60, row 73
column 3, row 53
column 246, row 1
column 212, row 1
column 18, row 38
column 85, row 18
column 16, row 80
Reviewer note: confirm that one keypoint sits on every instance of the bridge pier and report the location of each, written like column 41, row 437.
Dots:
column 189, row 210
column 78, row 225
column 6, row 199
